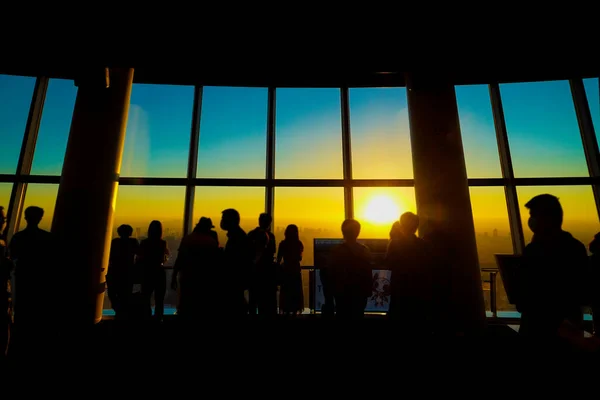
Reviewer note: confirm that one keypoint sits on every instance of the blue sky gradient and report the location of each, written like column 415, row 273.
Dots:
column 592, row 90
column 380, row 134
column 15, row 98
column 542, row 128
column 539, row 116
column 233, row 133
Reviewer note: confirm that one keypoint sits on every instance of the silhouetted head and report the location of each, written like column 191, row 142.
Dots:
column 230, row 219
column 409, row 223
column 125, row 231
column 2, row 220
column 595, row 245
column 204, row 225
column 34, row 215
column 291, row 233
column 264, row 221
column 155, row 230
column 396, row 230
column 545, row 213
column 350, row 230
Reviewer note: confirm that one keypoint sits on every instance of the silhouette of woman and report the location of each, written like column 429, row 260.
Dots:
column 291, row 298
column 120, row 268
column 153, row 253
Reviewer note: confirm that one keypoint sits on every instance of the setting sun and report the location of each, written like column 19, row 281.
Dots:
column 381, row 209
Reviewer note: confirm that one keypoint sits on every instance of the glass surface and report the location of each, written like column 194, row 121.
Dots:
column 542, row 128
column 308, row 134
column 580, row 215
column 592, row 91
column 15, row 99
column 378, row 208
column 44, row 196
column 157, row 143
column 380, row 134
column 55, row 127
column 493, row 236
column 478, row 133
column 233, row 133
column 139, row 205
column 318, row 213
column 210, row 201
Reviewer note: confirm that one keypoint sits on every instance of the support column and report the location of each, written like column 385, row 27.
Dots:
column 442, row 190
column 87, row 193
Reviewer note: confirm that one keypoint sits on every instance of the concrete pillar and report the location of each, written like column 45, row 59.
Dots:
column 87, row 194
column 442, row 190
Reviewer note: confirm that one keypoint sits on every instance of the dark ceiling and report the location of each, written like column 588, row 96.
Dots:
column 190, row 74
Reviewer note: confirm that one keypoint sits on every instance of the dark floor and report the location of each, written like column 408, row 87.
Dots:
column 309, row 342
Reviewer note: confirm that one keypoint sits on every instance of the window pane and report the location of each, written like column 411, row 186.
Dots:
column 211, row 201
column 309, row 134
column 233, row 133
column 580, row 216
column 380, row 134
column 158, row 131
column 478, row 132
column 492, row 227
column 54, row 128
column 318, row 213
column 542, row 129
column 378, row 208
column 44, row 196
column 139, row 205
column 592, row 92
column 492, row 230
column 15, row 98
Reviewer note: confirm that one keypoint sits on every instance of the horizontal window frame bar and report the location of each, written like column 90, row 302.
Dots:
column 473, row 182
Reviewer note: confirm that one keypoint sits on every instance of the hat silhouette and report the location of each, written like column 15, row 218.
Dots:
column 205, row 223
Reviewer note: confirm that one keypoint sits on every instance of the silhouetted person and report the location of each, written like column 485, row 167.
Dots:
column 153, row 253
column 411, row 277
column 395, row 231
column 207, row 223
column 594, row 286
column 119, row 278
column 238, row 257
column 263, row 278
column 5, row 292
column 552, row 273
column 197, row 267
column 350, row 273
column 34, row 251
column 291, row 295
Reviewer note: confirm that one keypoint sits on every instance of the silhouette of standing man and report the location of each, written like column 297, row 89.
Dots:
column 263, row 280
column 552, row 273
column 350, row 273
column 238, row 261
column 32, row 250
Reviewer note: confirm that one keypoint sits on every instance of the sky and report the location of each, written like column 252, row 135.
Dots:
column 542, row 129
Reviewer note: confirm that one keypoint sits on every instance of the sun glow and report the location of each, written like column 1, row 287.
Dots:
column 381, row 209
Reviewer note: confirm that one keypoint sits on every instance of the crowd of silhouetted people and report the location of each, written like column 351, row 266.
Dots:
column 556, row 277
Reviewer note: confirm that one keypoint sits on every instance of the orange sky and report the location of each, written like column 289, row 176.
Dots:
column 316, row 207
